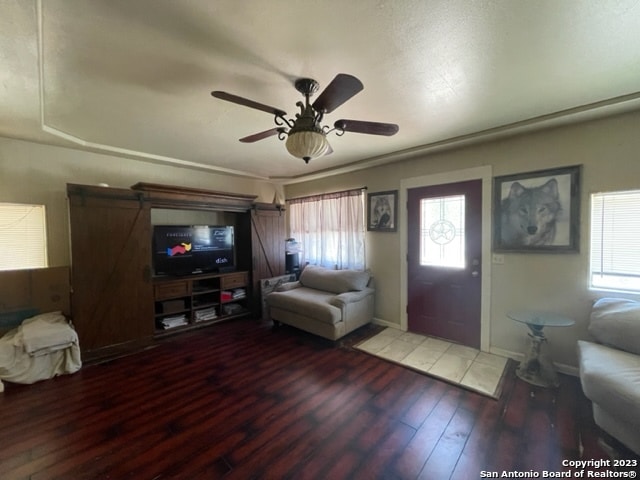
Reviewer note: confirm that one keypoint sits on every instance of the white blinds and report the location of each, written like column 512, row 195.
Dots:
column 23, row 240
column 615, row 240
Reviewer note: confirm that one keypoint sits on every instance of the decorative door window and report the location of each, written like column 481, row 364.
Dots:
column 442, row 231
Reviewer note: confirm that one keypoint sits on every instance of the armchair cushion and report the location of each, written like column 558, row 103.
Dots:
column 610, row 377
column 336, row 281
column 350, row 297
column 285, row 287
column 610, row 368
column 615, row 322
column 313, row 303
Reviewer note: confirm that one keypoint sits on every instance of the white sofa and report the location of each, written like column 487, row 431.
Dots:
column 610, row 368
column 328, row 303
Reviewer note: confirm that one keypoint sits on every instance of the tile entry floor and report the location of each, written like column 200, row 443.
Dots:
column 465, row 366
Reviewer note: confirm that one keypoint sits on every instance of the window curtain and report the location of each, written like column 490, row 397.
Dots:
column 330, row 229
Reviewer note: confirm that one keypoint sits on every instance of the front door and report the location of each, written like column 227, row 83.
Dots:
column 444, row 260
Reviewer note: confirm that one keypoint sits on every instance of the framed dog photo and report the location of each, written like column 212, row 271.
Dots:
column 537, row 211
column 382, row 211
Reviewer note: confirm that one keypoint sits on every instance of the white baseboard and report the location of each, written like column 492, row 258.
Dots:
column 561, row 367
column 384, row 323
column 506, row 353
column 568, row 369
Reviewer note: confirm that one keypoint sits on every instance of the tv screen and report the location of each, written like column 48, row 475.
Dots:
column 184, row 250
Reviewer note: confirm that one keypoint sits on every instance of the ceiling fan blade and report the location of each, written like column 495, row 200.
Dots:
column 259, row 136
column 341, row 89
column 248, row 103
column 371, row 128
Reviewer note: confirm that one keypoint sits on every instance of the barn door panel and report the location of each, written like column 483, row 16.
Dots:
column 112, row 299
column 267, row 243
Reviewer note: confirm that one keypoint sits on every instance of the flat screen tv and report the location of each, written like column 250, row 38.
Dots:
column 191, row 249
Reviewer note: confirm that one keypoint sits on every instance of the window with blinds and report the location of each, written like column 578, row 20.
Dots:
column 23, row 238
column 615, row 240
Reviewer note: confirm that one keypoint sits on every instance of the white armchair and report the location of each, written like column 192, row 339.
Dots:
column 328, row 303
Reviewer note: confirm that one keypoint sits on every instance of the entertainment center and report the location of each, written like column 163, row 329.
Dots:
column 155, row 260
column 199, row 299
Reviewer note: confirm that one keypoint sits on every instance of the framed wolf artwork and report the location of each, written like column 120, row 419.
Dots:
column 382, row 211
column 537, row 211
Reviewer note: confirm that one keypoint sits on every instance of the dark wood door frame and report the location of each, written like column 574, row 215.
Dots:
column 483, row 173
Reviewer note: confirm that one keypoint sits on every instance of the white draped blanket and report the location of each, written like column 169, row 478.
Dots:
column 47, row 333
column 42, row 347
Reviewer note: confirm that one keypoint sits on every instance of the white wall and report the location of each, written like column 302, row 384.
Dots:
column 607, row 149
column 35, row 173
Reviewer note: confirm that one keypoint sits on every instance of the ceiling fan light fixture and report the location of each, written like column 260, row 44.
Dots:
column 306, row 136
column 307, row 144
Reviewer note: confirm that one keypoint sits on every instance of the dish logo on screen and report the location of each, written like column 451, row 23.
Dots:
column 178, row 249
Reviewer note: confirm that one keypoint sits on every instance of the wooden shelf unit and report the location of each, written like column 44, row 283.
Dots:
column 176, row 297
column 111, row 258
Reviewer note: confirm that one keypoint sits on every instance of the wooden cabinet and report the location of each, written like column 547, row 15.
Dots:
column 171, row 290
column 199, row 300
column 234, row 280
column 116, row 303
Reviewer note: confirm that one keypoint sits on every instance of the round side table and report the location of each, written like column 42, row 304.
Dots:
column 536, row 367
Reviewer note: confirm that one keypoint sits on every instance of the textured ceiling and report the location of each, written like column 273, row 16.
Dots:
column 134, row 77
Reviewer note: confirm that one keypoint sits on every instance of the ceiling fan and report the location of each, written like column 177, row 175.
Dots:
column 306, row 137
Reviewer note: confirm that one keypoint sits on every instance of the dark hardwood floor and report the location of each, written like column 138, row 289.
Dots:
column 238, row 400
